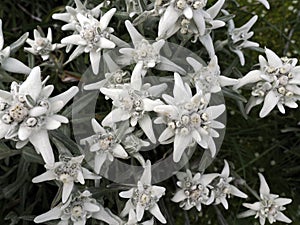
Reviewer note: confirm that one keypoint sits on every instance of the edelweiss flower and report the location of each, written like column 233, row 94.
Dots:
column 132, row 220
column 276, row 83
column 145, row 53
column 223, row 189
column 77, row 210
column 133, row 102
column 6, row 62
column 189, row 119
column 208, row 79
column 70, row 17
column 144, row 197
column 27, row 112
column 92, row 37
column 238, row 37
column 68, row 170
column 194, row 190
column 189, row 17
column 269, row 207
column 42, row 45
column 105, row 145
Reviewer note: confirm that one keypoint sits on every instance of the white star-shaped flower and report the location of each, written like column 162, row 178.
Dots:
column 239, row 37
column 105, row 145
column 27, row 112
column 189, row 119
column 146, row 53
column 77, row 210
column 8, row 63
column 42, row 45
column 133, row 102
column 70, row 17
column 223, row 189
column 93, row 36
column 269, row 207
column 208, row 79
column 190, row 17
column 144, row 197
column 194, row 190
column 276, row 83
column 68, row 171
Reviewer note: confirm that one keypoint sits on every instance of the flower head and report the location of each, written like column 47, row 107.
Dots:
column 104, row 144
column 70, row 16
column 276, row 83
column 28, row 111
column 77, row 210
column 91, row 36
column 269, row 207
column 146, row 53
column 223, row 189
column 133, row 102
column 6, row 62
column 194, row 190
column 189, row 119
column 208, row 79
column 144, row 197
column 42, row 45
column 68, row 171
column 239, row 37
column 190, row 17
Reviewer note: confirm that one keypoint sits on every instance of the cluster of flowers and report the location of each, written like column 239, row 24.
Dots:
column 189, row 118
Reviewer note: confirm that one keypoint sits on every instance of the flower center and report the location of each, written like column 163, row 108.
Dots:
column 77, row 211
column 90, row 34
column 42, row 46
column 18, row 112
column 195, row 4
column 67, row 172
column 145, row 52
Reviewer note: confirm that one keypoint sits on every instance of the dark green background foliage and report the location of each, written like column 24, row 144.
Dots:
column 270, row 145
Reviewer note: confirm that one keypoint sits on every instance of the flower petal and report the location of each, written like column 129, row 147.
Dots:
column 41, row 143
column 15, row 66
column 181, row 142
column 146, row 125
column 270, row 102
column 67, row 189
column 273, row 59
column 53, row 214
column 65, row 97
column 119, row 151
column 135, row 36
column 155, row 211
column 95, row 58
column 264, row 188
column 48, row 175
column 179, row 196
column 283, row 218
column 33, row 84
column 24, row 133
column 105, row 19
